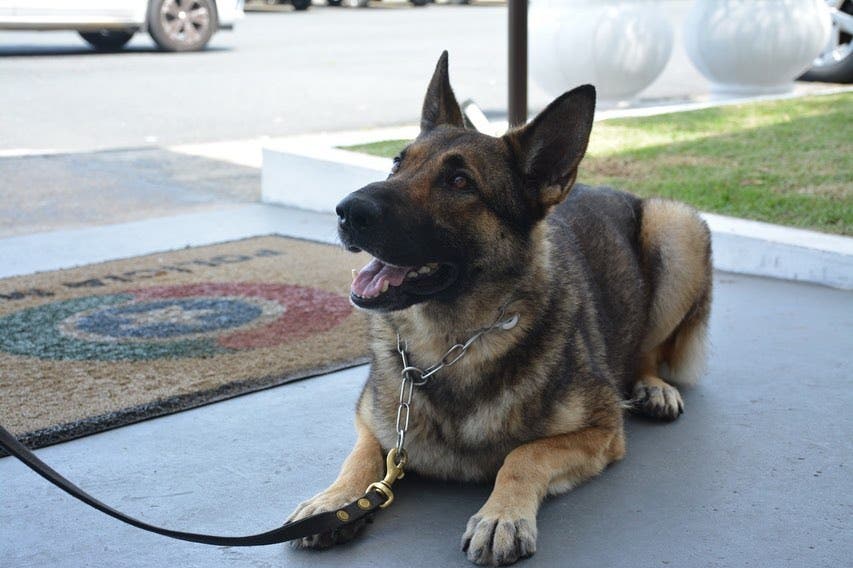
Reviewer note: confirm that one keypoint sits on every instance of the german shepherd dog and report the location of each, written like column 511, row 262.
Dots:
column 612, row 293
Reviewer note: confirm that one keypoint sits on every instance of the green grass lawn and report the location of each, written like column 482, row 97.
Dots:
column 788, row 162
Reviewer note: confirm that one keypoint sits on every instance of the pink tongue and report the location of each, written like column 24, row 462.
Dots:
column 372, row 278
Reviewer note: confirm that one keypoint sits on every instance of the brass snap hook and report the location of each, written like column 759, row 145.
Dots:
column 393, row 472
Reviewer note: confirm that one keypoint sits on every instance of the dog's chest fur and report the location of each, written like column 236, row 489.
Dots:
column 467, row 417
column 454, row 432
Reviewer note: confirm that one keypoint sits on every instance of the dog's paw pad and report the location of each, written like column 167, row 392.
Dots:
column 657, row 399
column 498, row 541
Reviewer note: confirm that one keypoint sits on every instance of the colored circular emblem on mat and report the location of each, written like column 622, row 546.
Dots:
column 195, row 320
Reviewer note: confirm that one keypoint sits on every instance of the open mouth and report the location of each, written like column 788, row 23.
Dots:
column 380, row 285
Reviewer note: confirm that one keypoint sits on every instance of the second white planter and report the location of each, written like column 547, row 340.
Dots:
column 755, row 46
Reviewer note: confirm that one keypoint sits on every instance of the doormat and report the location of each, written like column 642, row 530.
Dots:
column 104, row 345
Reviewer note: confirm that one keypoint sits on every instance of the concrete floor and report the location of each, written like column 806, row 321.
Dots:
column 756, row 473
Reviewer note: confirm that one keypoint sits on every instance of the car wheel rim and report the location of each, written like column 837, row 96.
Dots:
column 185, row 21
column 837, row 50
column 840, row 43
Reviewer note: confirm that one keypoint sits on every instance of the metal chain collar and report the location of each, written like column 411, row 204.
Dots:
column 415, row 376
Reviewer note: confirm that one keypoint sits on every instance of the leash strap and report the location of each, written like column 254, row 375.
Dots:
column 316, row 524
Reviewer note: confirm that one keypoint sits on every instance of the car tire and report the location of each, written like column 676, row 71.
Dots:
column 107, row 40
column 301, row 4
column 181, row 25
column 841, row 72
column 334, row 2
column 828, row 67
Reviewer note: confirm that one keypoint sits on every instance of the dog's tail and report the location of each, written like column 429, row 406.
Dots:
column 676, row 249
column 685, row 356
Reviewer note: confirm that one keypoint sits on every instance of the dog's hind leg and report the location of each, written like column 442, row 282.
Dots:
column 652, row 395
column 676, row 250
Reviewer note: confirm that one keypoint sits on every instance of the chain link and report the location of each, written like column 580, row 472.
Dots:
column 407, row 388
column 415, row 376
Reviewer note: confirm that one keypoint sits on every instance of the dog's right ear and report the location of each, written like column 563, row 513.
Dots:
column 440, row 106
column 549, row 149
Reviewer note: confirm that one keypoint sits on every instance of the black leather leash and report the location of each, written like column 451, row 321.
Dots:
column 373, row 499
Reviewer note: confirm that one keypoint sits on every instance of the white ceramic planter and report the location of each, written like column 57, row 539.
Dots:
column 755, row 46
column 620, row 46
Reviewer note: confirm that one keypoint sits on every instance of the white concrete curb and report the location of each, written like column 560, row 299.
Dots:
column 314, row 176
column 763, row 249
column 311, row 174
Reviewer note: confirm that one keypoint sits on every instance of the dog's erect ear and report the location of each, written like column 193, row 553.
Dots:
column 440, row 106
column 551, row 147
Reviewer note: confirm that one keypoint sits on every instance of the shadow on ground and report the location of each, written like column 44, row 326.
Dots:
column 28, row 50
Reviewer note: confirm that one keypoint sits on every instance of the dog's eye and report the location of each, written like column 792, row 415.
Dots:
column 459, row 182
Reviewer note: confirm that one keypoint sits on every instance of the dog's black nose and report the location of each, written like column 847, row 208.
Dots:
column 358, row 212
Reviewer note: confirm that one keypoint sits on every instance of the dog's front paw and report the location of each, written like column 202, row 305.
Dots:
column 499, row 539
column 328, row 500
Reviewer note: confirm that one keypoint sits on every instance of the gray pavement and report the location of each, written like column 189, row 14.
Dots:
column 756, row 473
column 275, row 74
column 47, row 192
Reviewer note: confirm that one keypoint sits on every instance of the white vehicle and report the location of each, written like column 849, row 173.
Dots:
column 175, row 25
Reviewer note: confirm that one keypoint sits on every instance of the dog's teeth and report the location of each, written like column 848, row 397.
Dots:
column 432, row 265
column 385, row 285
column 412, row 274
column 424, row 269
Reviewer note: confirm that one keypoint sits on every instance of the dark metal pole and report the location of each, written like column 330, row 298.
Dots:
column 517, row 62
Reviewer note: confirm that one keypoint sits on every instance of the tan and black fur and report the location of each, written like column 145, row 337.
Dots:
column 613, row 295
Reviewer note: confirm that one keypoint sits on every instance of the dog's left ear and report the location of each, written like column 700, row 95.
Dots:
column 440, row 106
column 551, row 147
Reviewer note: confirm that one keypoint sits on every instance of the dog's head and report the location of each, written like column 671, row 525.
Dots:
column 458, row 207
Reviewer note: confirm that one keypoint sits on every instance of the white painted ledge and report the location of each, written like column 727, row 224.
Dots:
column 315, row 176
column 751, row 247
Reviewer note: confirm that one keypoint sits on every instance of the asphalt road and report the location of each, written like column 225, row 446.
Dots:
column 277, row 73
